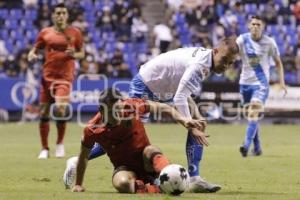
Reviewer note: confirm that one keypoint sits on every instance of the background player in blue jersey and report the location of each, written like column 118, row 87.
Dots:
column 256, row 51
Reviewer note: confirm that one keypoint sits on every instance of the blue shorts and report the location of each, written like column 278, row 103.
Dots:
column 254, row 93
column 138, row 89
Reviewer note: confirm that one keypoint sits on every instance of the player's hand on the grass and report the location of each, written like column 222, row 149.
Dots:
column 200, row 136
column 78, row 188
column 32, row 56
column 70, row 51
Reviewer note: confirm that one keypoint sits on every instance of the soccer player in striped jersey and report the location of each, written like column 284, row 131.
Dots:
column 256, row 51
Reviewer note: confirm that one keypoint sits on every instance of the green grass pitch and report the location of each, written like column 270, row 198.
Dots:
column 275, row 175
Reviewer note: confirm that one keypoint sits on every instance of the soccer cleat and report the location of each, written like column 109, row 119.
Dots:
column 256, row 153
column 60, row 151
column 199, row 185
column 243, row 151
column 70, row 172
column 44, row 154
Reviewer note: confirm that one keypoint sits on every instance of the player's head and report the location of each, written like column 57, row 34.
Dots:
column 60, row 14
column 256, row 26
column 107, row 104
column 224, row 54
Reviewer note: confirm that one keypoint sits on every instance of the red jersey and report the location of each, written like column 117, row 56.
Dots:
column 123, row 143
column 58, row 65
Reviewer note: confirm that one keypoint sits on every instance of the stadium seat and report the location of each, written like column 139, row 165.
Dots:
column 9, row 46
column 142, row 47
column 99, row 5
column 4, row 13
column 278, row 2
column 17, row 34
column 11, row 24
column 16, row 13
column 251, row 9
column 4, row 34
column 30, row 14
column 185, row 40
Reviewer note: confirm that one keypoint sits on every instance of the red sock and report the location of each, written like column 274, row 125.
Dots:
column 61, row 129
column 141, row 188
column 44, row 132
column 159, row 162
column 152, row 188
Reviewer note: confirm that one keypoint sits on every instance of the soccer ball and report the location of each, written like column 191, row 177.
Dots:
column 174, row 179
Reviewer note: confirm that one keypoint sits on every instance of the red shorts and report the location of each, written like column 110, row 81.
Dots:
column 51, row 90
column 135, row 163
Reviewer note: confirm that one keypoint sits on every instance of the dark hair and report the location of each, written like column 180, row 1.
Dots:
column 59, row 5
column 109, row 96
column 258, row 18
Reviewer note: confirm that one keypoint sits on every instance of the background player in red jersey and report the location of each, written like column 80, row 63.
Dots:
column 118, row 129
column 62, row 44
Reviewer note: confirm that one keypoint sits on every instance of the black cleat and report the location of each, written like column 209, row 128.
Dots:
column 243, row 151
column 256, row 153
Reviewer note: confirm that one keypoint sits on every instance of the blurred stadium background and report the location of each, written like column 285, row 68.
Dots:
column 120, row 35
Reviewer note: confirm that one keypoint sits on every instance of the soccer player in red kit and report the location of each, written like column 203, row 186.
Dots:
column 62, row 44
column 118, row 129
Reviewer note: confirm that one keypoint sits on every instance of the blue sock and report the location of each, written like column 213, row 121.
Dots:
column 251, row 131
column 194, row 153
column 96, row 151
column 256, row 141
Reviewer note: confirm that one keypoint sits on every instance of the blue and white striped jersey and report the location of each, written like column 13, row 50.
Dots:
column 256, row 57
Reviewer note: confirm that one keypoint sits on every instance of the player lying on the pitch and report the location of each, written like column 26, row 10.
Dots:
column 118, row 129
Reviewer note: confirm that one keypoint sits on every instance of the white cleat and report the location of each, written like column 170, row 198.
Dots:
column 44, row 154
column 70, row 172
column 60, row 151
column 199, row 185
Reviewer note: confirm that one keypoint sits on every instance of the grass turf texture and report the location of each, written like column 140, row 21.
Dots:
column 275, row 175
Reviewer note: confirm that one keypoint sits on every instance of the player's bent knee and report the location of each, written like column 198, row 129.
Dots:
column 254, row 110
column 44, row 110
column 148, row 154
column 150, row 150
column 61, row 111
column 124, row 181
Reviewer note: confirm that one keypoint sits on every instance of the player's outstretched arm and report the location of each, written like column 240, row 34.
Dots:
column 195, row 125
column 188, row 123
column 33, row 54
column 279, row 66
column 80, row 170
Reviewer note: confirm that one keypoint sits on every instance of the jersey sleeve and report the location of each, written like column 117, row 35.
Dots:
column 193, row 78
column 274, row 52
column 40, row 42
column 78, row 40
column 137, row 106
column 89, row 137
column 181, row 100
column 190, row 83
